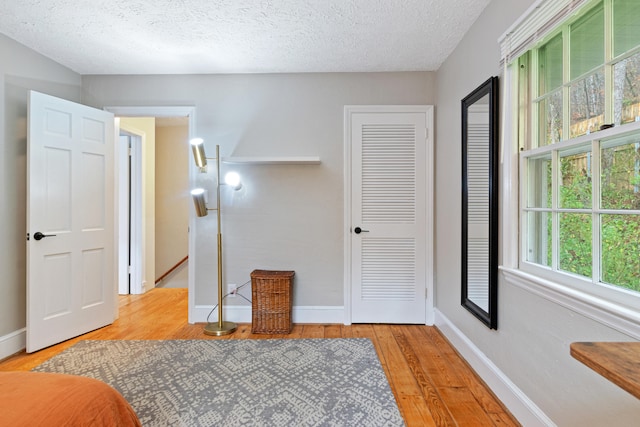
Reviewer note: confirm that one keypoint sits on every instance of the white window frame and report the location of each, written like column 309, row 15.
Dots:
column 618, row 295
column 609, row 305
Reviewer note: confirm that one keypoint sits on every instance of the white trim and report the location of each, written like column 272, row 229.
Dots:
column 152, row 111
column 13, row 343
column 299, row 314
column 348, row 209
column 615, row 132
column 622, row 319
column 536, row 23
column 430, row 220
column 518, row 403
column 607, row 296
column 317, row 314
column 509, row 171
column 121, row 211
column 346, row 233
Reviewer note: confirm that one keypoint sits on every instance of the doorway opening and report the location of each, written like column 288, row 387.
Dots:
column 154, row 213
column 172, row 202
column 172, row 127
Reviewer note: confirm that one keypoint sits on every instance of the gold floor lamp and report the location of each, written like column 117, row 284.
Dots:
column 232, row 179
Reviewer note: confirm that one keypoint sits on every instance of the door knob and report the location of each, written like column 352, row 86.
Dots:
column 39, row 236
column 359, row 230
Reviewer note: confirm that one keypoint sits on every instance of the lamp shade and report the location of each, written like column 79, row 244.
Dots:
column 199, row 202
column 197, row 146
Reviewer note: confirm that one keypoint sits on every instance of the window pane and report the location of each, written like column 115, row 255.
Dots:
column 575, row 243
column 539, row 183
column 575, row 181
column 539, row 239
column 626, row 96
column 550, row 63
column 626, row 26
column 587, row 104
column 620, row 174
column 621, row 250
column 550, row 118
column 587, row 42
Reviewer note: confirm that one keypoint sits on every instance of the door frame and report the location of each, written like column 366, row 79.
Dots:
column 166, row 111
column 349, row 110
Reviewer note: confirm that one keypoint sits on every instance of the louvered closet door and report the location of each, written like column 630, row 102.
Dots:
column 389, row 205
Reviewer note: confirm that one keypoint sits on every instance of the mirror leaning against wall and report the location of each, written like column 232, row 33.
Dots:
column 480, row 202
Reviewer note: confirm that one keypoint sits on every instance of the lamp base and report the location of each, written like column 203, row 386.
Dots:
column 215, row 329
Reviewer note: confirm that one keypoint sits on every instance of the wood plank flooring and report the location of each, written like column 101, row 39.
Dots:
column 431, row 383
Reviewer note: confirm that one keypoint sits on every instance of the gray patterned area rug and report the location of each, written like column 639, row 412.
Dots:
column 271, row 382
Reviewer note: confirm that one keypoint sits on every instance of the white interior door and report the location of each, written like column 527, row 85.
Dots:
column 130, row 242
column 124, row 227
column 70, row 271
column 390, row 178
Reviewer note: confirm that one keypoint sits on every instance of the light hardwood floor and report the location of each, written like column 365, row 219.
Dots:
column 432, row 384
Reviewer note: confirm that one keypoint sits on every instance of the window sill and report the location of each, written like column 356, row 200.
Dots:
column 620, row 318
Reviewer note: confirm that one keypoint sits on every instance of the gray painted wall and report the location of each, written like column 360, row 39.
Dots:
column 21, row 70
column 291, row 216
column 286, row 217
column 531, row 345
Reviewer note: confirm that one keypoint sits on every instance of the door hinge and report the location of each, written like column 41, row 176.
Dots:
column 129, row 152
column 129, row 270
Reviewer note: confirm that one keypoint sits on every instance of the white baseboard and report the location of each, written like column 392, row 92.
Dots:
column 318, row 314
column 299, row 314
column 523, row 408
column 13, row 343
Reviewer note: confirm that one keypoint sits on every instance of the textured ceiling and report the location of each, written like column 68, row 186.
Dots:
column 240, row 36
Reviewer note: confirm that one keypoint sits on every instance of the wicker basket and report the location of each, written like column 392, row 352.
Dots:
column 271, row 301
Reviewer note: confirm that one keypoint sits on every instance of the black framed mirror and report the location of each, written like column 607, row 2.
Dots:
column 480, row 202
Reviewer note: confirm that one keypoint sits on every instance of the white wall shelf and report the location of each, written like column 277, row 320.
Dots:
column 310, row 160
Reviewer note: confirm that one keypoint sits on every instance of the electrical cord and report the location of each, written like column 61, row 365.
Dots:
column 236, row 292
